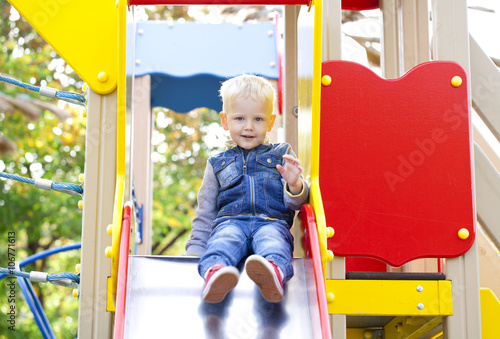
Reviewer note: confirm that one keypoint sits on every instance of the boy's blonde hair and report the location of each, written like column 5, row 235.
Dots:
column 245, row 86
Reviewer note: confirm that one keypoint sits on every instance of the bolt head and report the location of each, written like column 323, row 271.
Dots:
column 102, row 77
column 326, row 80
column 456, row 81
column 463, row 233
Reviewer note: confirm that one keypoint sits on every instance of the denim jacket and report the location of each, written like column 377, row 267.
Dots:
column 250, row 183
column 239, row 183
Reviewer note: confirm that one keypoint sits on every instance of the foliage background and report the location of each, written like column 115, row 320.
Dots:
column 46, row 147
column 55, row 149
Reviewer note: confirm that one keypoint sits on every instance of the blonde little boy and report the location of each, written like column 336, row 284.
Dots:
column 248, row 198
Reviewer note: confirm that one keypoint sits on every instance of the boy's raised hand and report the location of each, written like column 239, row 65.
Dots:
column 291, row 173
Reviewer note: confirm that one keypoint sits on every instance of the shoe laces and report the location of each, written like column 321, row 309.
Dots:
column 211, row 271
column 277, row 271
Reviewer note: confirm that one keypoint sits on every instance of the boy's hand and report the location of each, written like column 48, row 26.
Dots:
column 291, row 173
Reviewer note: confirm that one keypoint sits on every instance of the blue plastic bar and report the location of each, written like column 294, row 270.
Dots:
column 36, row 308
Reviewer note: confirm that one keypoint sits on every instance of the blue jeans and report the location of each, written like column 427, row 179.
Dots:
column 234, row 238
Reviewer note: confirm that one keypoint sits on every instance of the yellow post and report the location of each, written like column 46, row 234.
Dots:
column 120, row 146
column 316, row 201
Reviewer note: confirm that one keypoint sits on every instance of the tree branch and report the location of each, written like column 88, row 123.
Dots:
column 172, row 242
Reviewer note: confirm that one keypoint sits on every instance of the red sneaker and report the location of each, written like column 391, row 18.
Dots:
column 219, row 280
column 267, row 276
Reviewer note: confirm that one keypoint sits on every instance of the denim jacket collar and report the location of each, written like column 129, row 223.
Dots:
column 231, row 144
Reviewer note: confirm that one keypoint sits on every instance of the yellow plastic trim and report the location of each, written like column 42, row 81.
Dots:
column 91, row 48
column 445, row 293
column 316, row 88
column 356, row 333
column 390, row 297
column 315, row 198
column 411, row 327
column 120, row 147
column 319, row 213
column 110, row 305
column 490, row 314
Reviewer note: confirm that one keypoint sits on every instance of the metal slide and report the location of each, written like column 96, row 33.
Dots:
column 164, row 301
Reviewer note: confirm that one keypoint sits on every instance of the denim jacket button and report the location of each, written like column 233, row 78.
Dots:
column 269, row 160
column 223, row 163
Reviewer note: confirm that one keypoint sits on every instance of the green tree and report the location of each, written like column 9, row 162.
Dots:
column 180, row 154
column 47, row 145
column 180, row 140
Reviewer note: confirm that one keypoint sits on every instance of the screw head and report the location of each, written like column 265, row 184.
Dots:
column 456, row 81
column 108, row 252
column 326, row 80
column 330, row 232
column 420, row 306
column 463, row 233
column 102, row 77
column 420, row 288
column 329, row 255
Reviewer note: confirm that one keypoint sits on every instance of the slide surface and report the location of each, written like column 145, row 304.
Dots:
column 164, row 301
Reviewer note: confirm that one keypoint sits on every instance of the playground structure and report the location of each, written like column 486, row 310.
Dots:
column 425, row 205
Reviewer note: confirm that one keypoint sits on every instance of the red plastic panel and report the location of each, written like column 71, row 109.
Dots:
column 218, row 2
column 359, row 5
column 364, row 265
column 395, row 162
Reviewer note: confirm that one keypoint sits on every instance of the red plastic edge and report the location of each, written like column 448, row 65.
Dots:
column 121, row 289
column 313, row 251
column 280, row 68
column 360, row 5
column 217, row 2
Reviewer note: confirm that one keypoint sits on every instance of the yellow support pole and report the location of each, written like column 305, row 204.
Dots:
column 120, row 147
column 316, row 200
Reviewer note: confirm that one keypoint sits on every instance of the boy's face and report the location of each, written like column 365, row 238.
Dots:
column 248, row 122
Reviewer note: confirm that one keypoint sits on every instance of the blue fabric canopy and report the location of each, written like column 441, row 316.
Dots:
column 188, row 61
